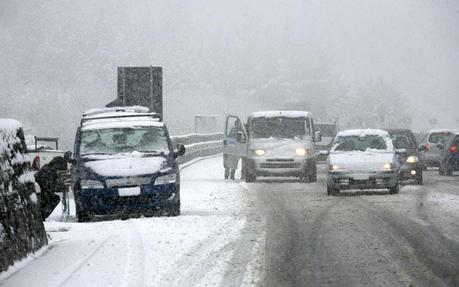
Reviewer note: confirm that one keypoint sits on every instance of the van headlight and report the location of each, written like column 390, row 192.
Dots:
column 412, row 159
column 166, row 179
column 259, row 152
column 301, row 152
column 91, row 184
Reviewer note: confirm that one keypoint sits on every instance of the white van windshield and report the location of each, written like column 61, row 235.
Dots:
column 280, row 127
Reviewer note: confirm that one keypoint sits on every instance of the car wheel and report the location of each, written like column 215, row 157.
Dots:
column 395, row 189
column 441, row 170
column 332, row 191
column 449, row 172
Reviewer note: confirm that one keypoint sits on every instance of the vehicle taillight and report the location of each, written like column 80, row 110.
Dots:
column 453, row 149
column 36, row 163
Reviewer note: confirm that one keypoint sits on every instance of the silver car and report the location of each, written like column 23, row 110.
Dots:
column 362, row 159
column 429, row 146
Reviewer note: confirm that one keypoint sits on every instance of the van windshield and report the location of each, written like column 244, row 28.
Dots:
column 123, row 140
column 280, row 127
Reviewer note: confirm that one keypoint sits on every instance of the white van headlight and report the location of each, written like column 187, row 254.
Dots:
column 259, row 152
column 412, row 159
column 91, row 184
column 301, row 152
column 166, row 179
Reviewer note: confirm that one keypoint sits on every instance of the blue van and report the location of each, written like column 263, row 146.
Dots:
column 124, row 163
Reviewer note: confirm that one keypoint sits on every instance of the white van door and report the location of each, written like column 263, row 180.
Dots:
column 235, row 137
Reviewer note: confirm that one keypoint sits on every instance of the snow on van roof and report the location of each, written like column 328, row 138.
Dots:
column 121, row 122
column 363, row 132
column 290, row 114
column 9, row 124
column 115, row 110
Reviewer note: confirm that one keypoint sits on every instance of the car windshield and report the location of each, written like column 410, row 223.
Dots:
column 439, row 137
column 280, row 127
column 359, row 143
column 123, row 140
column 403, row 141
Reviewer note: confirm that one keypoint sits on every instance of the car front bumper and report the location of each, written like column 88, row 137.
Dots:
column 108, row 200
column 378, row 180
column 410, row 171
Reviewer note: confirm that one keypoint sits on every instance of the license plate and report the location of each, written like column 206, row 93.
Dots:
column 129, row 191
column 361, row 177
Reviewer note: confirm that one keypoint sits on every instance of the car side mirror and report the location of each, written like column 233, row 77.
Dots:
column 240, row 137
column 180, row 150
column 68, row 157
column 317, row 136
column 400, row 151
column 324, row 152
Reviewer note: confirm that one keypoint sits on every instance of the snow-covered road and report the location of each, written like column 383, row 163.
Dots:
column 196, row 248
column 267, row 233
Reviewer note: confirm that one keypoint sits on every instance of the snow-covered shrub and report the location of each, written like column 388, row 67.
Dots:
column 21, row 227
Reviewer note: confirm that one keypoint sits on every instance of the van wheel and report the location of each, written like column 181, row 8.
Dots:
column 313, row 173
column 395, row 189
column 250, row 176
column 174, row 210
column 83, row 216
column 419, row 180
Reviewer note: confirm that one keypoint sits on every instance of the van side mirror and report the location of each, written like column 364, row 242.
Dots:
column 317, row 136
column 179, row 151
column 240, row 137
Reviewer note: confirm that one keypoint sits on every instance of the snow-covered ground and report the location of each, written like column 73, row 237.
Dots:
column 195, row 248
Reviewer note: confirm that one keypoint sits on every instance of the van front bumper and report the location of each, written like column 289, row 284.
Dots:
column 279, row 166
column 108, row 201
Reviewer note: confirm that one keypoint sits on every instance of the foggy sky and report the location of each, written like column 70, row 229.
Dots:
column 59, row 58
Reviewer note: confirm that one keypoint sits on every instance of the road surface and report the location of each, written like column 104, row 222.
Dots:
column 267, row 233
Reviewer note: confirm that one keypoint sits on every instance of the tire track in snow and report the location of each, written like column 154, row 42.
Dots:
column 199, row 260
column 84, row 261
column 135, row 262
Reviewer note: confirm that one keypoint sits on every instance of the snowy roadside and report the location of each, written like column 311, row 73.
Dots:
column 193, row 249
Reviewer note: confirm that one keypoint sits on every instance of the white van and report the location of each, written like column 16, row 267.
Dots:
column 274, row 143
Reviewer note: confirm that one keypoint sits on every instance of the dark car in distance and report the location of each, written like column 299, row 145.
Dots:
column 449, row 155
column 411, row 164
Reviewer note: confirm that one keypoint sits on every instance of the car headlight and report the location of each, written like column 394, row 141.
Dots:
column 301, row 151
column 412, row 159
column 166, row 179
column 259, row 152
column 388, row 166
column 91, row 184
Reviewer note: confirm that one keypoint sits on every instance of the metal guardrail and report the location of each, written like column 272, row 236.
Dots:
column 198, row 145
